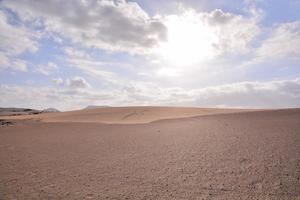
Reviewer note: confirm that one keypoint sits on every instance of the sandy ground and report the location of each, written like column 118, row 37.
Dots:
column 248, row 155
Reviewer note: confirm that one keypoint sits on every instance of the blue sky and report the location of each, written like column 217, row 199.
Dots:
column 70, row 54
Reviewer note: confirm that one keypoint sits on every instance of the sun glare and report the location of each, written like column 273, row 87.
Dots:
column 189, row 41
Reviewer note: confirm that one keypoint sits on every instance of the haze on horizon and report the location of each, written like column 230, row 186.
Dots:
column 70, row 54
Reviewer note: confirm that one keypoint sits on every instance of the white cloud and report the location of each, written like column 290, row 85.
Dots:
column 46, row 69
column 77, row 83
column 74, row 83
column 106, row 24
column 4, row 60
column 18, row 65
column 75, row 53
column 284, row 42
column 12, row 63
column 284, row 93
column 58, row 81
column 83, row 61
column 14, row 40
column 235, row 32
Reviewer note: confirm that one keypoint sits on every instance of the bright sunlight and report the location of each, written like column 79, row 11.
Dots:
column 189, row 40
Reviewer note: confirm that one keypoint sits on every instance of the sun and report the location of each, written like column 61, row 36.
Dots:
column 190, row 40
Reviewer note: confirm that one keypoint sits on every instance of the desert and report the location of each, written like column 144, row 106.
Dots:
column 196, row 153
column 150, row 100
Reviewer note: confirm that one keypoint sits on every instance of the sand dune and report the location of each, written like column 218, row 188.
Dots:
column 240, row 155
column 127, row 115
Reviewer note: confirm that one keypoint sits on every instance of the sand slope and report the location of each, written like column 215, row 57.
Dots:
column 253, row 155
column 126, row 115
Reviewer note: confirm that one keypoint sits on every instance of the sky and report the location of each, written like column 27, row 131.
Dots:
column 204, row 53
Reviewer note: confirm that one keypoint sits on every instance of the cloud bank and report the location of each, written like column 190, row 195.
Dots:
column 77, row 93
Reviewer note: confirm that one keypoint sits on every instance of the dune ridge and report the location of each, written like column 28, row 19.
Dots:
column 128, row 115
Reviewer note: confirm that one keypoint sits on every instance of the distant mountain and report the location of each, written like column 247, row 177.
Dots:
column 50, row 110
column 94, row 106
